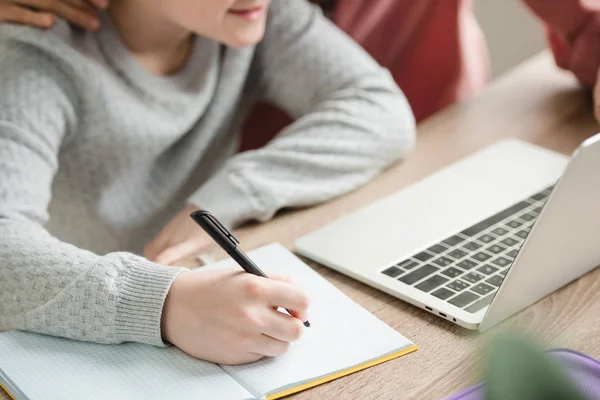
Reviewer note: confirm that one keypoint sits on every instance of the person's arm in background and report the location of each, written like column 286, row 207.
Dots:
column 42, row 13
column 573, row 31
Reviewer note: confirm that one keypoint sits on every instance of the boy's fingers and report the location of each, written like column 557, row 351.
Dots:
column 288, row 296
column 176, row 253
column 267, row 346
column 156, row 246
column 282, row 327
column 279, row 277
column 22, row 15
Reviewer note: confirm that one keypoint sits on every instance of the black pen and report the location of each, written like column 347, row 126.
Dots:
column 228, row 242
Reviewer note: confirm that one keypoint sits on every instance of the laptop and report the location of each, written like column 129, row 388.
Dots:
column 479, row 240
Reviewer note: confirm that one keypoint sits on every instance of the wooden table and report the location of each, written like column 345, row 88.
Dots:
column 535, row 102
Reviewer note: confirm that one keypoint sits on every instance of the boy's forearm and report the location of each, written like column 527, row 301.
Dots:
column 339, row 146
column 54, row 288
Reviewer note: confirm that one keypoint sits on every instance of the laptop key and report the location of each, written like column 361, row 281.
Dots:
column 472, row 246
column 527, row 217
column 407, row 264
column 514, row 224
column 487, row 269
column 457, row 254
column 452, row 272
column 495, row 248
column 437, row 249
column 502, row 262
column 482, row 289
column 443, row 261
column 479, row 304
column 494, row 219
column 453, row 240
column 538, row 209
column 392, row 272
column 423, row 256
column 500, row 231
column 473, row 277
column 539, row 196
column 418, row 274
column 486, row 238
column 495, row 280
column 509, row 241
column 443, row 293
column 467, row 264
column 522, row 234
column 429, row 284
column 458, row 285
column 482, row 257
column 463, row 299
column 512, row 254
column 503, row 272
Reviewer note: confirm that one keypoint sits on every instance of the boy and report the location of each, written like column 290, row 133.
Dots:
column 105, row 135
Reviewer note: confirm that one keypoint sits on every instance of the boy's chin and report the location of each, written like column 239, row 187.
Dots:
column 244, row 39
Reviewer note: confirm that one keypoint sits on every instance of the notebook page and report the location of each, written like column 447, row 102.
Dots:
column 39, row 367
column 342, row 333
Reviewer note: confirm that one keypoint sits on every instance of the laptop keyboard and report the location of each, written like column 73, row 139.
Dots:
column 467, row 268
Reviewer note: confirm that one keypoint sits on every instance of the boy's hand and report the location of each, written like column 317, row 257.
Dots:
column 41, row 13
column 230, row 317
column 181, row 238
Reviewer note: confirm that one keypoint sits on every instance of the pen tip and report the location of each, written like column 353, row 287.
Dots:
column 307, row 324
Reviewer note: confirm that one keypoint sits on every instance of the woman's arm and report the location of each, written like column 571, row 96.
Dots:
column 573, row 34
column 352, row 121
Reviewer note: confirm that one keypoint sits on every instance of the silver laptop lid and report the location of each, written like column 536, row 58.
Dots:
column 564, row 242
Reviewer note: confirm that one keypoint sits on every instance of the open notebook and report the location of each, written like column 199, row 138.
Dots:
column 343, row 338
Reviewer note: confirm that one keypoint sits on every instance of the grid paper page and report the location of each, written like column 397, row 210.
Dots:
column 342, row 333
column 43, row 367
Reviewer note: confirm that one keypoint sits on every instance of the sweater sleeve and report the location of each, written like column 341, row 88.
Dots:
column 351, row 121
column 48, row 286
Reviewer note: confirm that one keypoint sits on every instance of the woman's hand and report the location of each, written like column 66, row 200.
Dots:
column 41, row 13
column 181, row 238
column 597, row 97
column 230, row 317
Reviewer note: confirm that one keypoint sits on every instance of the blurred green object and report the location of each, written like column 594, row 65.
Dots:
column 517, row 369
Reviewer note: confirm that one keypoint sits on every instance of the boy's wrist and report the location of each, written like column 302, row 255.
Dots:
column 141, row 299
column 170, row 307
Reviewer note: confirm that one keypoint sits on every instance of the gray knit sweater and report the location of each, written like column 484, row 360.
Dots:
column 97, row 154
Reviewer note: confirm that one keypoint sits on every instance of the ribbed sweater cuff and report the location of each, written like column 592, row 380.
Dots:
column 141, row 299
column 224, row 197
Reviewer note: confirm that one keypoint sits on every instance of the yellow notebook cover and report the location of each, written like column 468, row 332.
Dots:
column 341, row 374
